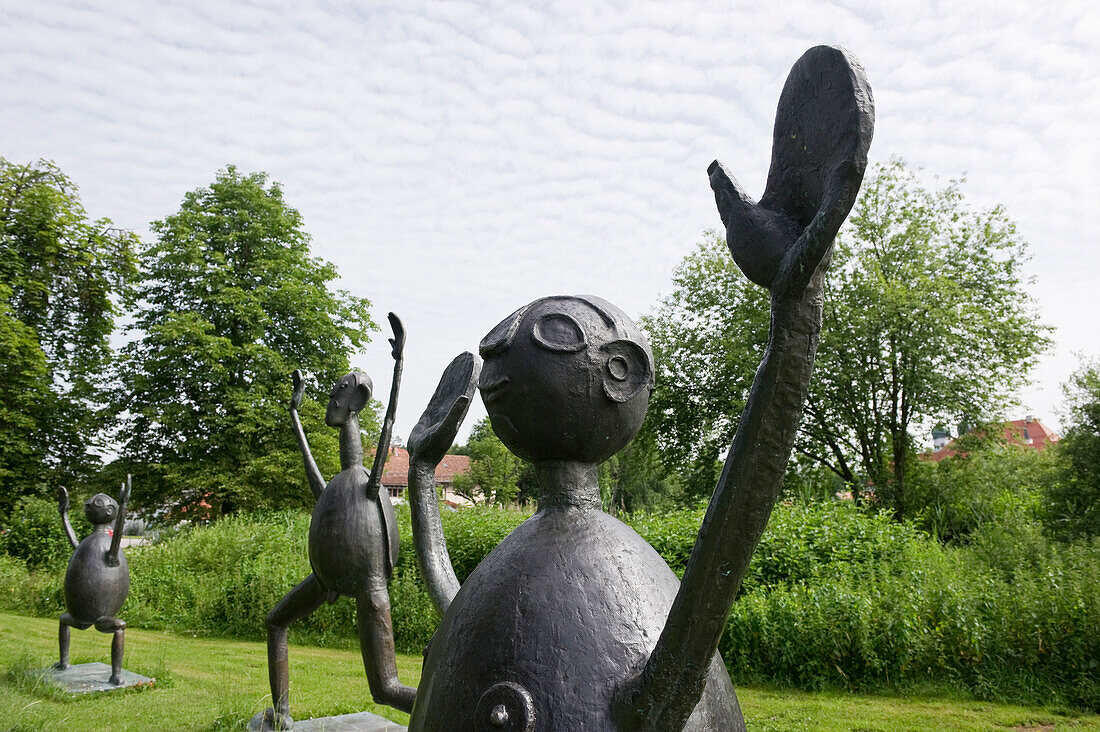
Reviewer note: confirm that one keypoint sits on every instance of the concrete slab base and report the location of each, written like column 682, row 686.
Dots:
column 88, row 678
column 358, row 722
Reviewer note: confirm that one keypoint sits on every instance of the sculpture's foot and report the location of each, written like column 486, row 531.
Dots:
column 62, row 665
column 270, row 720
column 114, row 680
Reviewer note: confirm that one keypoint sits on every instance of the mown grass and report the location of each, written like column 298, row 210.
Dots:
column 219, row 684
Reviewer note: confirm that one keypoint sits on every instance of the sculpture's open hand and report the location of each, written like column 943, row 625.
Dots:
column 299, row 390
column 397, row 343
column 62, row 501
column 819, row 152
column 436, row 430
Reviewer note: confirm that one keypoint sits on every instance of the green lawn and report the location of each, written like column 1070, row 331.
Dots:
column 217, row 684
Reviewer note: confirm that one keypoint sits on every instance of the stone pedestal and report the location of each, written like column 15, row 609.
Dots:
column 88, row 678
column 358, row 722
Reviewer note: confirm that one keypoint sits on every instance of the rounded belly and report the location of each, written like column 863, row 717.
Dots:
column 559, row 616
column 347, row 541
column 93, row 589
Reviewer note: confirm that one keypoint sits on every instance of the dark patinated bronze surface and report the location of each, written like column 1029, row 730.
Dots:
column 353, row 545
column 573, row 622
column 97, row 578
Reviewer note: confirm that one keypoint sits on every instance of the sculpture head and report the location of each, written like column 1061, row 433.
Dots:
column 350, row 394
column 566, row 378
column 100, row 509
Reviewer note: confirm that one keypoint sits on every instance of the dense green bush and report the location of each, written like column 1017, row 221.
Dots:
column 1021, row 624
column 33, row 533
column 834, row 597
column 987, row 482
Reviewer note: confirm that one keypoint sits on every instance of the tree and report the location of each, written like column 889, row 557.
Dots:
column 707, row 336
column 64, row 278
column 495, row 473
column 231, row 303
column 1072, row 502
column 926, row 319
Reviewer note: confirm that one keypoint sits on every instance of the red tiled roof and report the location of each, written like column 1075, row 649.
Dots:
column 1039, row 436
column 396, row 473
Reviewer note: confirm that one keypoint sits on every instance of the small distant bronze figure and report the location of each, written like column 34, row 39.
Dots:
column 573, row 622
column 353, row 544
column 97, row 580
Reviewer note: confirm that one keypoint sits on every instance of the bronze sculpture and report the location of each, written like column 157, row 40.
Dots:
column 353, row 544
column 573, row 621
column 97, row 578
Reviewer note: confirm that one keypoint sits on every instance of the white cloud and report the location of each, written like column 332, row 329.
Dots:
column 456, row 159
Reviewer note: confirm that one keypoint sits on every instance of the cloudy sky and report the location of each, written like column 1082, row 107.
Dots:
column 457, row 159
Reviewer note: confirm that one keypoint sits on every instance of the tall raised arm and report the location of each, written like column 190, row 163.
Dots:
column 63, row 509
column 822, row 133
column 313, row 473
column 120, row 523
column 428, row 443
column 397, row 343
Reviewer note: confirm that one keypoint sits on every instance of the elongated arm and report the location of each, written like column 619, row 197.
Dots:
column 428, row 444
column 822, row 132
column 63, row 509
column 374, row 484
column 313, row 473
column 120, row 524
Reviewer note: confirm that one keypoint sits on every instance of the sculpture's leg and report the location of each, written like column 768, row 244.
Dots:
column 376, row 643
column 298, row 603
column 63, row 640
column 118, row 628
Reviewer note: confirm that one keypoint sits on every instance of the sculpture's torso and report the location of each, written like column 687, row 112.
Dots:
column 351, row 537
column 93, row 589
column 568, row 607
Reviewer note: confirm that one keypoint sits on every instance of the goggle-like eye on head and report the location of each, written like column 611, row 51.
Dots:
column 560, row 333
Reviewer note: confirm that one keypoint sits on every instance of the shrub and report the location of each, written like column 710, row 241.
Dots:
column 33, row 533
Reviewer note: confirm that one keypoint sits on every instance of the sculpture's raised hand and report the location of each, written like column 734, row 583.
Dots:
column 299, row 390
column 439, row 423
column 819, row 153
column 397, row 343
column 62, row 501
column 124, row 495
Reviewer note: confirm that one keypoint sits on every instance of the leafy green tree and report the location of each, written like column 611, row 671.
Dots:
column 63, row 279
column 1072, row 502
column 495, row 473
column 926, row 320
column 707, row 336
column 230, row 303
column 636, row 479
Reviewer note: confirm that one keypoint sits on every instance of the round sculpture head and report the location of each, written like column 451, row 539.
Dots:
column 100, row 509
column 350, row 394
column 566, row 378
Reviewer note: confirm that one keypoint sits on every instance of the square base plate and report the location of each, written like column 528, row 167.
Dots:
column 88, row 678
column 358, row 722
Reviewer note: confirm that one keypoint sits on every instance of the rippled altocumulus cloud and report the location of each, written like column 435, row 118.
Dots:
column 457, row 159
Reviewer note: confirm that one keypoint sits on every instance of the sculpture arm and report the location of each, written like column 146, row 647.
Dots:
column 120, row 524
column 822, row 132
column 313, row 473
column 431, row 545
column 63, row 509
column 673, row 679
column 374, row 483
column 428, row 444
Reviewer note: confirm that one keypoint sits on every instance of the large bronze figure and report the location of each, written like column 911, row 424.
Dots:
column 97, row 579
column 353, row 544
column 573, row 622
